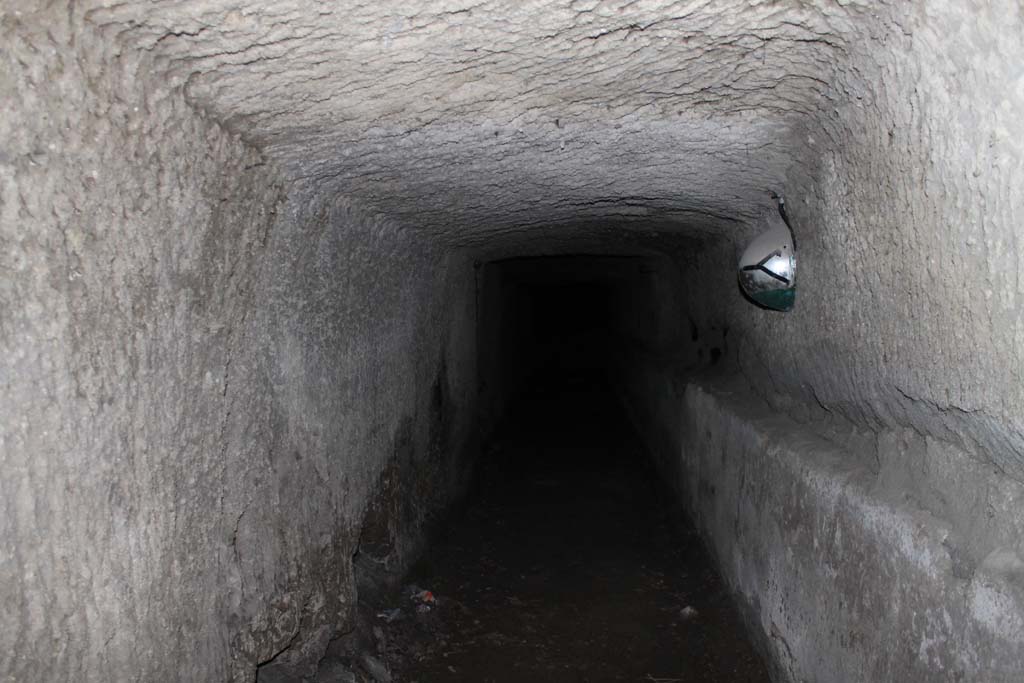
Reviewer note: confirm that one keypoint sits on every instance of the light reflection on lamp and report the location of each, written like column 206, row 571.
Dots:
column 767, row 269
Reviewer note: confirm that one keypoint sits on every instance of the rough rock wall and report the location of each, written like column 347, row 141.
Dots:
column 150, row 327
column 900, row 361
column 202, row 381
column 845, row 579
column 365, row 363
column 891, row 126
column 132, row 234
column 907, row 220
column 496, row 120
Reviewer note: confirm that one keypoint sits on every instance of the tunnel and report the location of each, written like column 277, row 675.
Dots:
column 283, row 283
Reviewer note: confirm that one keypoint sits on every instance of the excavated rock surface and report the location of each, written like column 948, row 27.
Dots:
column 203, row 381
column 236, row 249
column 495, row 125
column 467, row 116
column 911, row 304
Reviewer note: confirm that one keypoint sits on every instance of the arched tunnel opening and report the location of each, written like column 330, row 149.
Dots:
column 569, row 559
column 558, row 322
column 300, row 300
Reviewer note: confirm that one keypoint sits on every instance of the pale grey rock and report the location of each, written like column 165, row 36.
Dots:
column 844, row 584
column 238, row 295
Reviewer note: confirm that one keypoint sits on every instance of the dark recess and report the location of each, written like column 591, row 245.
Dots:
column 571, row 560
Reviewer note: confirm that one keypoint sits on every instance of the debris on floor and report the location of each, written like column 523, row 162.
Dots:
column 581, row 581
column 390, row 615
column 424, row 599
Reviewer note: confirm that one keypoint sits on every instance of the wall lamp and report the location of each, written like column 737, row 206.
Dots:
column 767, row 269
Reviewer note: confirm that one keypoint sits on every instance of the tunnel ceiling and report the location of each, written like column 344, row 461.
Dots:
column 460, row 117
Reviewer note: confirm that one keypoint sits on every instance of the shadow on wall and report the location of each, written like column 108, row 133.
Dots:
column 405, row 507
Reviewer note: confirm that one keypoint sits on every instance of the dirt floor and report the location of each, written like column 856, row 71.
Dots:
column 566, row 565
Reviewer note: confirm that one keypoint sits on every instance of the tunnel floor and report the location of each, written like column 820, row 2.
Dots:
column 566, row 564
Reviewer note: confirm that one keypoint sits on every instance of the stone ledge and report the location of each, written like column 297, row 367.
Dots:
column 843, row 585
